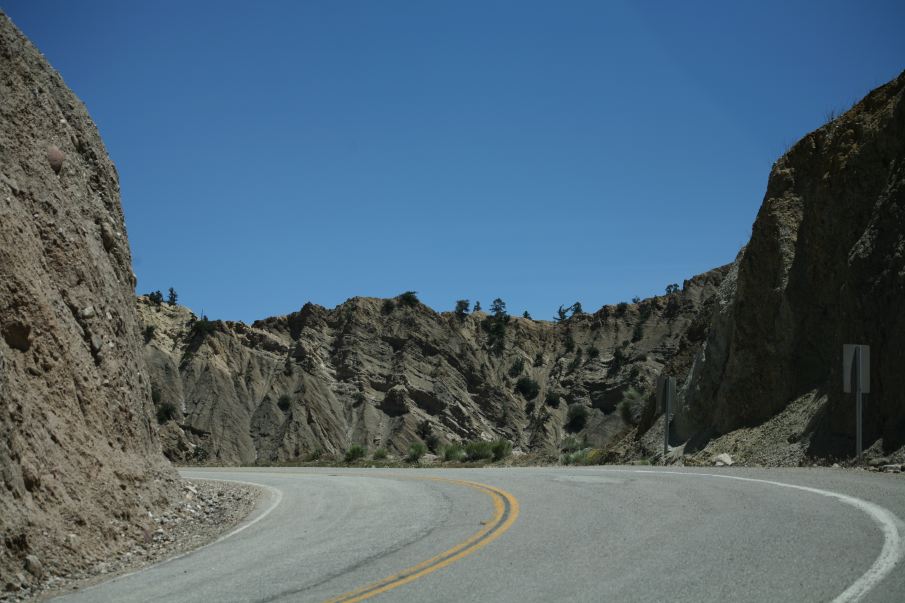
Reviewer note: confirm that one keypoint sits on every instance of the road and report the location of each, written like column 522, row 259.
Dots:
column 545, row 534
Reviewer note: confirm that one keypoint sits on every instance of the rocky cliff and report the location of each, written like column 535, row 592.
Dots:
column 385, row 373
column 80, row 463
column 825, row 266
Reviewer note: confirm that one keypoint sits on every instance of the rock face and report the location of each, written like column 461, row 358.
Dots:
column 384, row 373
column 825, row 267
column 79, row 456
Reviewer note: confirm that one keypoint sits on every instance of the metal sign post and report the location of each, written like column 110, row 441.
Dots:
column 666, row 393
column 856, row 377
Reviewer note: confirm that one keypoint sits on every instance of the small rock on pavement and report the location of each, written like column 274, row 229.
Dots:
column 723, row 460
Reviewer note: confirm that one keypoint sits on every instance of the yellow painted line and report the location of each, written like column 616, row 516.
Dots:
column 506, row 510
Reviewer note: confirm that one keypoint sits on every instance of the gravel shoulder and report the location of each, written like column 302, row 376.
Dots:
column 206, row 510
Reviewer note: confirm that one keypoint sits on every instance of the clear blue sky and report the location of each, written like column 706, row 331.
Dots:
column 273, row 153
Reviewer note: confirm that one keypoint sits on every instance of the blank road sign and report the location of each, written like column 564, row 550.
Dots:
column 848, row 368
column 666, row 386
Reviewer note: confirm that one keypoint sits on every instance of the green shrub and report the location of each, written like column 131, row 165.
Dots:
column 416, row 451
column 354, row 453
column 631, row 405
column 517, row 367
column 314, row 455
column 409, row 298
column 527, row 387
column 576, row 362
column 619, row 358
column 501, row 449
column 593, row 352
column 166, row 412
column 155, row 395
column 199, row 454
column 525, row 314
column 673, row 288
column 552, row 399
column 283, row 402
column 148, row 333
column 636, row 300
column 477, row 450
column 155, row 297
column 539, row 360
column 461, row 308
column 621, row 307
column 572, row 444
column 495, row 326
column 380, row 454
column 388, row 306
column 569, row 342
column 579, row 457
column 453, row 452
column 426, row 433
column 576, row 418
column 202, row 327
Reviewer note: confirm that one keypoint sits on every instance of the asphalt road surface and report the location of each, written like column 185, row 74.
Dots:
column 545, row 534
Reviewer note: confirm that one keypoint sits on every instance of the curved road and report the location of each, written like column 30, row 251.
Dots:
column 545, row 534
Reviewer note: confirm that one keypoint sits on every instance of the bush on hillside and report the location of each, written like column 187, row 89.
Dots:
column 576, row 418
column 166, row 412
column 409, row 298
column 527, row 387
column 416, row 451
column 478, row 450
column 501, row 449
column 354, row 453
column 453, row 452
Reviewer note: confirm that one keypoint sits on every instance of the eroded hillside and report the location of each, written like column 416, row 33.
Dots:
column 374, row 372
column 80, row 462
column 825, row 267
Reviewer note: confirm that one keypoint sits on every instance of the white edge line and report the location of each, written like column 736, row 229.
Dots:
column 275, row 494
column 890, row 525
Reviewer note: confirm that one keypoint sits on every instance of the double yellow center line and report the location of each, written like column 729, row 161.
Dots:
column 506, row 511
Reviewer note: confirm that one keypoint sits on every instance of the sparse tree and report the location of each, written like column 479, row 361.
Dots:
column 526, row 315
column 495, row 326
column 172, row 297
column 409, row 298
column 498, row 308
column 561, row 314
column 461, row 308
column 477, row 307
column 576, row 309
column 156, row 297
column 673, row 288
column 636, row 300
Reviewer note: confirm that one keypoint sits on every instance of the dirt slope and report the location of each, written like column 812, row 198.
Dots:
column 371, row 374
column 80, row 462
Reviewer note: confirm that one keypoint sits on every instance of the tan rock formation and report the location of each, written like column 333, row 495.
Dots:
column 372, row 372
column 79, row 456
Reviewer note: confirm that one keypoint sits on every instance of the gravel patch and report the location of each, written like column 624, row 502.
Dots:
column 207, row 510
